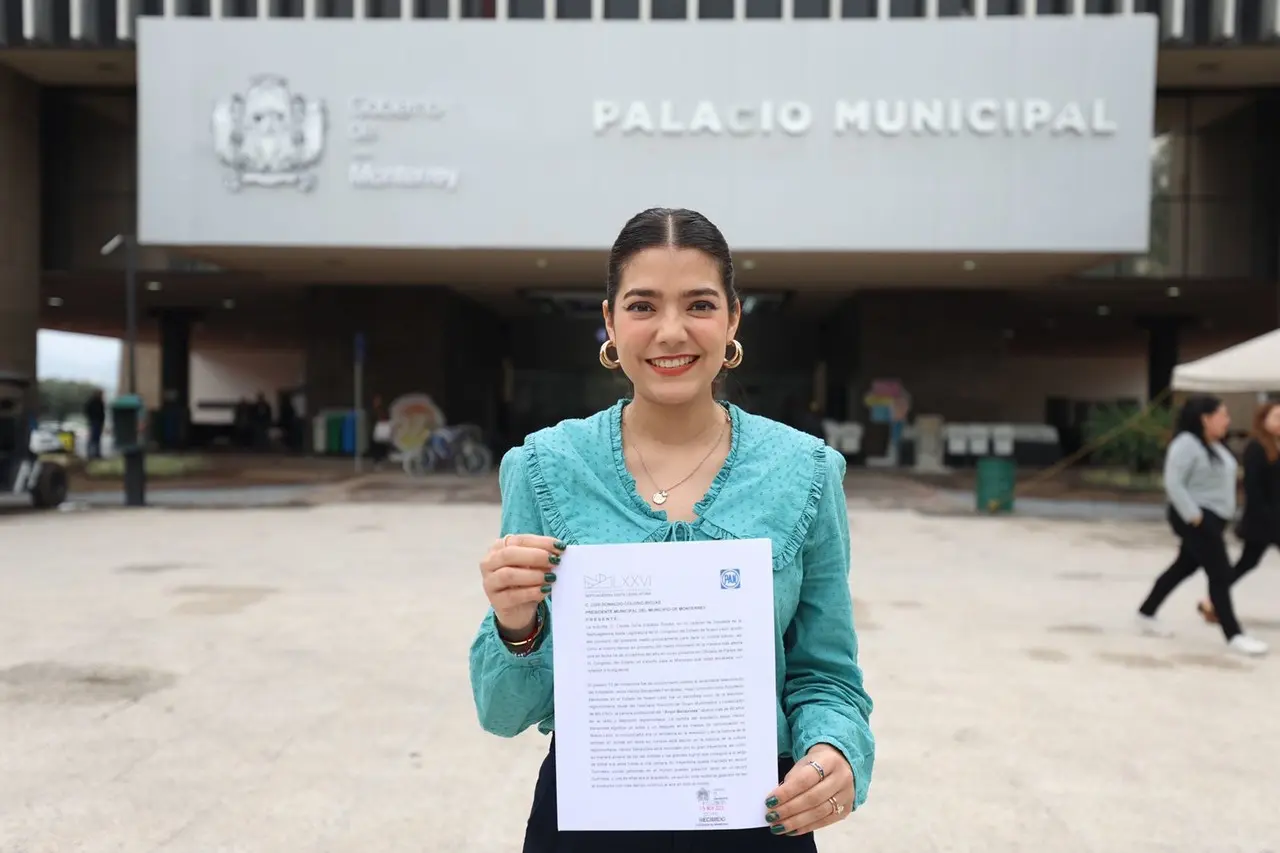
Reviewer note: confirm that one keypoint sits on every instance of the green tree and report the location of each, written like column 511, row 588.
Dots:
column 62, row 398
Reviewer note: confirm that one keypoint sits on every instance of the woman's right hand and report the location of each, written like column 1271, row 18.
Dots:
column 518, row 573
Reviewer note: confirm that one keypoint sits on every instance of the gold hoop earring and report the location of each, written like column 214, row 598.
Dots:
column 734, row 360
column 610, row 363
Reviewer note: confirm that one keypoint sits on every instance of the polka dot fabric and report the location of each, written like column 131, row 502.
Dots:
column 571, row 481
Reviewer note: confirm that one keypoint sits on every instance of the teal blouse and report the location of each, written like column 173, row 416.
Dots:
column 571, row 482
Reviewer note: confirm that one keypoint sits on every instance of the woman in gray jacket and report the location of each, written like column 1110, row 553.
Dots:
column 1200, row 482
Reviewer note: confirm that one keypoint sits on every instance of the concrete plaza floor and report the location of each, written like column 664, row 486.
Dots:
column 290, row 680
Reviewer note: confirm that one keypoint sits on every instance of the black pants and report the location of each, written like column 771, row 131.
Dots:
column 544, row 836
column 95, row 441
column 1250, row 557
column 1204, row 547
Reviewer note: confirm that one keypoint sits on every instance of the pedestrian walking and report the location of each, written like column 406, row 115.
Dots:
column 1259, row 526
column 1200, row 483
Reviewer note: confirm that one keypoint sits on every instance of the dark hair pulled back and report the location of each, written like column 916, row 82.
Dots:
column 677, row 228
column 1191, row 419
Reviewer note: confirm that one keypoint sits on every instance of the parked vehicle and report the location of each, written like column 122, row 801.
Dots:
column 24, row 471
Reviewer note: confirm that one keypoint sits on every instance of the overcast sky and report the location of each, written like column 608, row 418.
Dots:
column 89, row 358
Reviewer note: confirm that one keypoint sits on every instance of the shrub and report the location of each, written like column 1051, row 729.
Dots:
column 1129, row 436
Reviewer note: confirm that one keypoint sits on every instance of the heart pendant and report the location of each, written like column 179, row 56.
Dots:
column 659, row 498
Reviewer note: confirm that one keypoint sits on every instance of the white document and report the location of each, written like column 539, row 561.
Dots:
column 665, row 705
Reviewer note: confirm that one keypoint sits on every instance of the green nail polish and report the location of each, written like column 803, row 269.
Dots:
column 554, row 559
column 771, row 802
column 560, row 546
column 549, row 577
column 546, row 587
column 777, row 829
column 771, row 817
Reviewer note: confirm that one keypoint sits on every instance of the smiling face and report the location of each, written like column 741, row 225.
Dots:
column 672, row 324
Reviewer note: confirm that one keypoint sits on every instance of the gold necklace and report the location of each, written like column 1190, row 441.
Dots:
column 660, row 496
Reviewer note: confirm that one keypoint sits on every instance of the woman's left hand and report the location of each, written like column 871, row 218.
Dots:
column 808, row 799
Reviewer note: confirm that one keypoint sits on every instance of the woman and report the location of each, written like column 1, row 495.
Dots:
column 672, row 463
column 1260, row 525
column 1200, row 482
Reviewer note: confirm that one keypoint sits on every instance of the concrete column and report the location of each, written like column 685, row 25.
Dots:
column 1163, row 338
column 19, row 222
column 175, row 376
column 842, row 352
column 1162, row 356
column 1265, row 262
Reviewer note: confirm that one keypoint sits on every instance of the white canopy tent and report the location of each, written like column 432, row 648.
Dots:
column 1249, row 367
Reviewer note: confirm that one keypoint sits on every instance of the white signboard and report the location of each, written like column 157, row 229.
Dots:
column 1016, row 135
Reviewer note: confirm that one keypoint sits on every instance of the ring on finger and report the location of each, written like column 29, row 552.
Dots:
column 822, row 774
column 837, row 807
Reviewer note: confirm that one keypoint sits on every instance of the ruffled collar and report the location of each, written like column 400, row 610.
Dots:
column 627, row 482
column 768, row 486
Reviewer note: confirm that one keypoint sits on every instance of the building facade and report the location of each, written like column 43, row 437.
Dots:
column 1014, row 209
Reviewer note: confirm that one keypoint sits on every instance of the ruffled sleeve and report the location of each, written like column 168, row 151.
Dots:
column 513, row 692
column 823, row 696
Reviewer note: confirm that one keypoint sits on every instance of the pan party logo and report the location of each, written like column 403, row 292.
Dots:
column 269, row 136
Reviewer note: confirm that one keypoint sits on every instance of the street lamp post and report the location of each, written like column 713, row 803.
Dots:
column 126, row 409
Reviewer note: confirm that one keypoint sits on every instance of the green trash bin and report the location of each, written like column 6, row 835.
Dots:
column 333, row 433
column 997, row 479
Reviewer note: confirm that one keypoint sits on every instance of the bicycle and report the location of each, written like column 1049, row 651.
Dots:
column 461, row 448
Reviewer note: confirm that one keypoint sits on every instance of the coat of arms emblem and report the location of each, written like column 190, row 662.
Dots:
column 269, row 136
